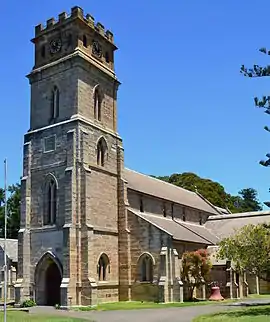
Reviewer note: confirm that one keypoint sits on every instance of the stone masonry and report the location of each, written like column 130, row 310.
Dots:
column 91, row 230
column 87, row 194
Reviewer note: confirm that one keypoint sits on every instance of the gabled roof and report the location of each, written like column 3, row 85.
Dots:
column 11, row 248
column 164, row 190
column 226, row 225
column 178, row 230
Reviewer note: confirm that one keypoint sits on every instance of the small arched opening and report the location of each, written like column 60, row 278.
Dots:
column 55, row 103
column 146, row 268
column 84, row 41
column 103, row 268
column 98, row 97
column 101, row 151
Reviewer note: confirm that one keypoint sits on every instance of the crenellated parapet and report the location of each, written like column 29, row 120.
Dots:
column 76, row 12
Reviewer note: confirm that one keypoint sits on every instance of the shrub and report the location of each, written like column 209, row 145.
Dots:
column 28, row 303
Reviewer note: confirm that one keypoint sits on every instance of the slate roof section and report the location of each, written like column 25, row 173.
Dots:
column 223, row 210
column 177, row 230
column 200, row 230
column 164, row 190
column 226, row 225
column 11, row 248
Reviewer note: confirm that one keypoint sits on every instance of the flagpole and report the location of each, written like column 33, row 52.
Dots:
column 5, row 255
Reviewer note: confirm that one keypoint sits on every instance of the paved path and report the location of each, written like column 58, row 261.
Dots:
column 184, row 314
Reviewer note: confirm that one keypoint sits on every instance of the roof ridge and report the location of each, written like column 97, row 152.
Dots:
column 227, row 209
column 207, row 201
column 239, row 215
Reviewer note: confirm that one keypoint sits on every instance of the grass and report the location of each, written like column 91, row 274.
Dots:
column 256, row 314
column 259, row 296
column 133, row 305
column 19, row 316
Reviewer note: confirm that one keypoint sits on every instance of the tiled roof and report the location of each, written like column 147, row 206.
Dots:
column 178, row 230
column 226, row 225
column 158, row 188
column 11, row 248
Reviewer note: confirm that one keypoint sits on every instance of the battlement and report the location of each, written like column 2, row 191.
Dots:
column 76, row 12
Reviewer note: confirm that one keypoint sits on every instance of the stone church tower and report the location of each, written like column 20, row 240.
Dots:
column 73, row 198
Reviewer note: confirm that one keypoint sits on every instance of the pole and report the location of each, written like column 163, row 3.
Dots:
column 5, row 255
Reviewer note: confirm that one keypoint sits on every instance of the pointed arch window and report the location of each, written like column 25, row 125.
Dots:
column 146, row 268
column 101, row 152
column 50, row 202
column 97, row 103
column 55, row 103
column 103, row 268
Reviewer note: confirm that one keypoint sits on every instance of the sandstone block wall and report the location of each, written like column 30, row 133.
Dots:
column 88, row 77
column 65, row 77
column 165, row 208
column 145, row 237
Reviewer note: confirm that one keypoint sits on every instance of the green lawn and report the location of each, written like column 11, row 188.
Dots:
column 261, row 296
column 256, row 314
column 141, row 305
column 26, row 317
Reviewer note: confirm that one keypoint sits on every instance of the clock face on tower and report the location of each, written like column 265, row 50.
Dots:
column 96, row 49
column 55, row 45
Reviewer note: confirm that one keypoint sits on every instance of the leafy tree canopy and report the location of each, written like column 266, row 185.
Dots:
column 13, row 211
column 263, row 102
column 215, row 192
column 249, row 249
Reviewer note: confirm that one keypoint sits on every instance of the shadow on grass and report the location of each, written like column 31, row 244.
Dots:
column 250, row 312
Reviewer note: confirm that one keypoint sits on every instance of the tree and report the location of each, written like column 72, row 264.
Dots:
column 13, row 205
column 249, row 250
column 215, row 192
column 196, row 266
column 249, row 200
column 264, row 102
column 212, row 191
column 13, row 211
column 2, row 196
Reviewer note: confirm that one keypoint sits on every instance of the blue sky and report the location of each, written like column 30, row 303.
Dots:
column 183, row 105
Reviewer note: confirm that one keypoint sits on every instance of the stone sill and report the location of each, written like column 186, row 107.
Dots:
column 107, row 284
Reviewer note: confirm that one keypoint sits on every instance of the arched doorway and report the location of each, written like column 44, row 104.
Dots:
column 52, row 284
column 48, row 279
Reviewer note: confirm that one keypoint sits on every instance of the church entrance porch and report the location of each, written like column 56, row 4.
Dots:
column 48, row 277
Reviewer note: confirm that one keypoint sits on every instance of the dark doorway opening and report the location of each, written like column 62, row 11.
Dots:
column 52, row 284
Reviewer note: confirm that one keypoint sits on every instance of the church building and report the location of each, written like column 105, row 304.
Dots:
column 92, row 230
